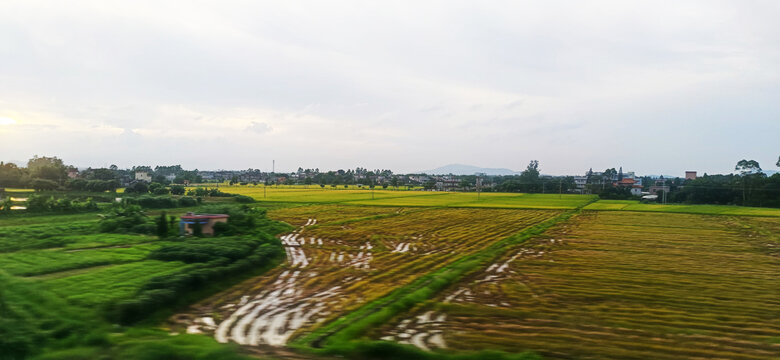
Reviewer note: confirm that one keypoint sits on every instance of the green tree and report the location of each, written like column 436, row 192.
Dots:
column 529, row 178
column 49, row 168
column 43, row 184
column 11, row 175
column 465, row 183
column 394, row 182
column 177, row 189
column 748, row 169
column 162, row 226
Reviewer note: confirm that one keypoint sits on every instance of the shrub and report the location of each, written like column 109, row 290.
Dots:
column 43, row 184
column 243, row 199
column 187, row 201
column 177, row 190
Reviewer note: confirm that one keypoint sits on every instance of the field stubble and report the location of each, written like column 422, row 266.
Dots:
column 618, row 285
column 335, row 265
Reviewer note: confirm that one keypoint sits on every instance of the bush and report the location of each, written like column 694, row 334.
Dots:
column 137, row 187
column 39, row 203
column 43, row 184
column 157, row 202
column 187, row 201
column 177, row 190
column 161, row 191
column 126, row 218
column 243, row 199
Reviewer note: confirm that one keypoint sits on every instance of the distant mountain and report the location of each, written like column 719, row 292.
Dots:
column 460, row 169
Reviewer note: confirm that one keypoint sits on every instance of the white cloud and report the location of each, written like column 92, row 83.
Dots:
column 404, row 85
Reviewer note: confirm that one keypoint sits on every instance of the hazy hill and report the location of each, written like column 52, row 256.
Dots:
column 460, row 169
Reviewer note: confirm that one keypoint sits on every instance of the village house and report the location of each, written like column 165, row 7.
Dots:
column 633, row 184
column 206, row 221
column 143, row 176
column 659, row 185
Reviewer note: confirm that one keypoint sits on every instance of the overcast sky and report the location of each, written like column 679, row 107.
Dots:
column 655, row 87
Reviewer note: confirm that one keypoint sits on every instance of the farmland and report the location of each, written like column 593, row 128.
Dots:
column 336, row 264
column 406, row 198
column 562, row 276
column 60, row 275
column 617, row 285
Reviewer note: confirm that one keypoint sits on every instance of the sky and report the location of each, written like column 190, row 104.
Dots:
column 657, row 87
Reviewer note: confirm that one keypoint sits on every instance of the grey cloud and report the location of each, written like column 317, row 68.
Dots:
column 422, row 79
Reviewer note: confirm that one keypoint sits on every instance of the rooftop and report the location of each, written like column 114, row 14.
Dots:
column 204, row 216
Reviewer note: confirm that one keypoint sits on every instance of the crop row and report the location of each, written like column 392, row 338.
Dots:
column 617, row 285
column 335, row 267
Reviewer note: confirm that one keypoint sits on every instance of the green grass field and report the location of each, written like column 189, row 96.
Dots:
column 108, row 283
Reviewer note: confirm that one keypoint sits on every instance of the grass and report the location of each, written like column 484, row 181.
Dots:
column 623, row 285
column 38, row 262
column 108, row 284
column 60, row 280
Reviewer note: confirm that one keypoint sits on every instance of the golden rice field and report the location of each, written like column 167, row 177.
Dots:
column 341, row 257
column 633, row 205
column 405, row 198
column 617, row 285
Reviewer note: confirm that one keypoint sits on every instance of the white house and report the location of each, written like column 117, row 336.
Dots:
column 143, row 176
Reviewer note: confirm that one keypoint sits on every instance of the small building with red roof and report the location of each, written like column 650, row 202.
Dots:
column 206, row 221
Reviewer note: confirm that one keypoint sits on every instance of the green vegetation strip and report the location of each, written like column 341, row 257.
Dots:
column 338, row 333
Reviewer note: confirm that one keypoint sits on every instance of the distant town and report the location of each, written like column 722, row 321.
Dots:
column 747, row 185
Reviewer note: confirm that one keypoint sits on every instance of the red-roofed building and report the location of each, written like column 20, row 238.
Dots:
column 206, row 221
column 636, row 188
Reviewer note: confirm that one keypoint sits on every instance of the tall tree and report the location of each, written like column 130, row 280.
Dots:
column 747, row 167
column 529, row 178
column 49, row 168
column 747, row 170
column 162, row 226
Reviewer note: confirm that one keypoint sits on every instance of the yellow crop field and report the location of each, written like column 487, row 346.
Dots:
column 633, row 205
column 619, row 285
column 412, row 198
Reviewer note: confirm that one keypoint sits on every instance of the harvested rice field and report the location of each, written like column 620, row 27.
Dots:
column 341, row 257
column 616, row 285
